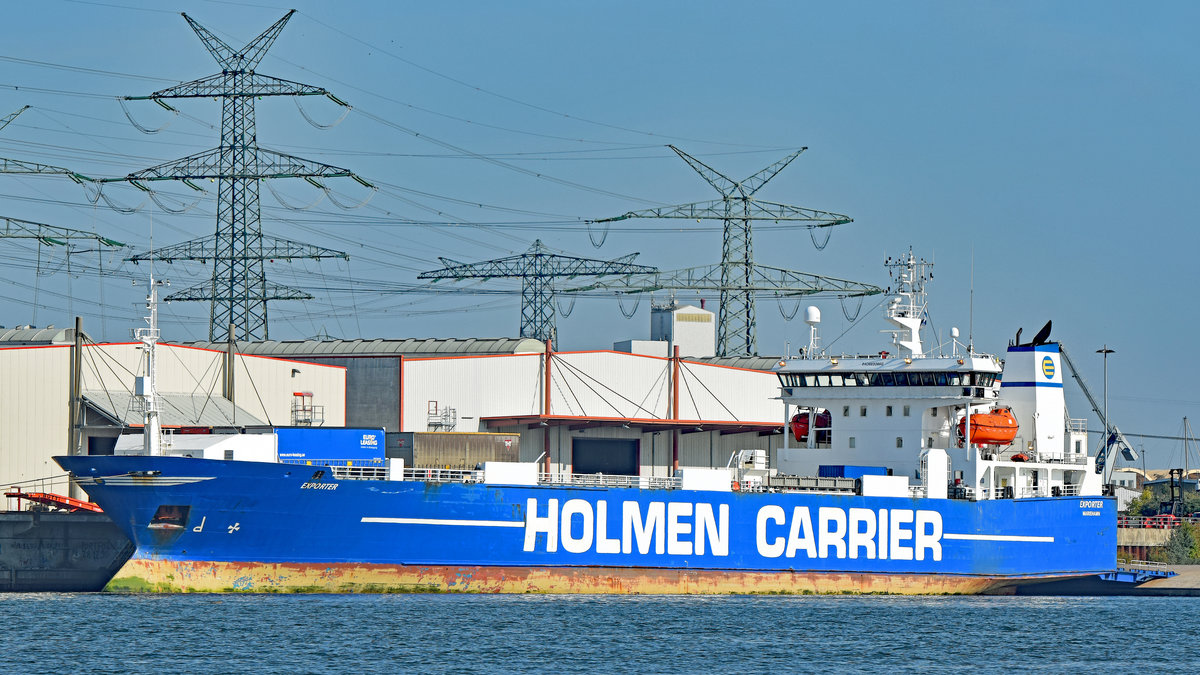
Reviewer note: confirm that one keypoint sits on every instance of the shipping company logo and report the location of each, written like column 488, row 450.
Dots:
column 1048, row 368
column 369, row 441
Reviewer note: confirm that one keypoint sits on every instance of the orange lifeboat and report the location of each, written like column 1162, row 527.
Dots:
column 800, row 426
column 997, row 427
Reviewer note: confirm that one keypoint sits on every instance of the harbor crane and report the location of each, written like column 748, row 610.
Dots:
column 1115, row 440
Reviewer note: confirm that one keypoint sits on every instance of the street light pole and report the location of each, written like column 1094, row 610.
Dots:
column 1107, row 468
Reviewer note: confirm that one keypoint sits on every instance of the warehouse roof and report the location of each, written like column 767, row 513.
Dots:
column 29, row 335
column 381, row 347
column 747, row 362
column 176, row 410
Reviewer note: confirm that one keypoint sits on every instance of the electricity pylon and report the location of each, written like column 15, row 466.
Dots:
column 51, row 235
column 737, row 278
column 23, row 167
column 238, row 291
column 536, row 268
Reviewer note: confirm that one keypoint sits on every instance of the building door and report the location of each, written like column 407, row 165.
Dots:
column 616, row 456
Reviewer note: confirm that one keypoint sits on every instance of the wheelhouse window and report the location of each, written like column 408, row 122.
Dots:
column 888, row 379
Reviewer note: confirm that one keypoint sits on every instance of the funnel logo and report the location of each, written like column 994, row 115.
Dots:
column 1048, row 368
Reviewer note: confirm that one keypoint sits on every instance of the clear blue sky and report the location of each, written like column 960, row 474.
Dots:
column 1054, row 144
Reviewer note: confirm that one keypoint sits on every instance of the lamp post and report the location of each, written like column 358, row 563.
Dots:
column 1106, row 351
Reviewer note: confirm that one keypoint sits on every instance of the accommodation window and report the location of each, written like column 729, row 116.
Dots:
column 845, row 411
column 933, row 412
column 899, row 441
column 889, row 411
column 906, row 411
column 862, row 411
column 851, row 442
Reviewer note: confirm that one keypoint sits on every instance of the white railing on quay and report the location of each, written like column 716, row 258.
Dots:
column 1160, row 522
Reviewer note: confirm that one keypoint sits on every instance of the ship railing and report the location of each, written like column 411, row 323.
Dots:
column 60, row 484
column 1060, row 458
column 916, row 491
column 358, row 472
column 609, row 480
column 964, row 492
column 341, row 469
column 1141, row 563
column 1077, row 425
column 432, row 475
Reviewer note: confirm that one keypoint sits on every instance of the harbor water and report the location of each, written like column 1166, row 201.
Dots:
column 113, row 633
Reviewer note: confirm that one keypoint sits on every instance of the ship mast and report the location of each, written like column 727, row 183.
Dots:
column 906, row 309
column 145, row 386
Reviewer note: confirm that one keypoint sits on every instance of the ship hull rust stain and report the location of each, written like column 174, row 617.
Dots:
column 167, row 576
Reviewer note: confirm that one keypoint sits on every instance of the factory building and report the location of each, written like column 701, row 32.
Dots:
column 602, row 411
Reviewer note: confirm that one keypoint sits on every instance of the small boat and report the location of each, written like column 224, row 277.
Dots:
column 55, row 543
column 997, row 427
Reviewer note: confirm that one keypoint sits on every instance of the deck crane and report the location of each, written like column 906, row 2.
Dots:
column 1115, row 438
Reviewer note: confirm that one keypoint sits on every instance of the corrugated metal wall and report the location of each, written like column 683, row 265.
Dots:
column 474, row 386
column 598, row 385
column 33, row 412
column 264, row 387
column 35, row 394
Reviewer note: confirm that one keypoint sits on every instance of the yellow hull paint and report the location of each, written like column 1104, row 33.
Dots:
column 165, row 576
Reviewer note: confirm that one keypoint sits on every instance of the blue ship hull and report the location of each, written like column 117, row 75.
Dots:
column 207, row 525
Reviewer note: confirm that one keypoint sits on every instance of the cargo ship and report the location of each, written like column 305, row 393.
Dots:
column 876, row 490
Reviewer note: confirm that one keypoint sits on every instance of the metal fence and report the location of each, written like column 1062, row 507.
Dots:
column 1160, row 522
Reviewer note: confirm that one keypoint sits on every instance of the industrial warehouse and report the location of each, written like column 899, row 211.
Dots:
column 460, row 401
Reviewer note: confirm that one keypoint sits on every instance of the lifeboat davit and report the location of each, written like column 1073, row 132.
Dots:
column 800, row 426
column 997, row 427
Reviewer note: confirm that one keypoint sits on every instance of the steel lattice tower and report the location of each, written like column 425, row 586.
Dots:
column 536, row 268
column 238, row 291
column 739, row 278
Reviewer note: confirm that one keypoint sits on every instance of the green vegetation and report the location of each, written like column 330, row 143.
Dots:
column 1183, row 546
column 1150, row 502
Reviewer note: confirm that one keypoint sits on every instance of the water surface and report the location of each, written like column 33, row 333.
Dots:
column 108, row 633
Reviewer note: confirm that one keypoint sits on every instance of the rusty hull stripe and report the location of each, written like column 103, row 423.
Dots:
column 142, row 575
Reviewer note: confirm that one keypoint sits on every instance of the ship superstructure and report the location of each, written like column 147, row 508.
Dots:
column 905, row 410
